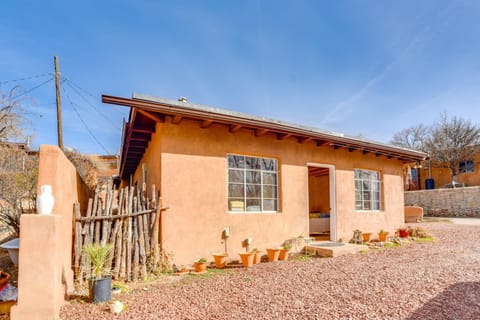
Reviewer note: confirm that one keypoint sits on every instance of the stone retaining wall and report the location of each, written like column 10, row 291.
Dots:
column 458, row 202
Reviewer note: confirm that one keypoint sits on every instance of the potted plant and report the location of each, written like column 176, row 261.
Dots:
column 366, row 236
column 220, row 260
column 403, row 233
column 247, row 258
column 200, row 265
column 100, row 284
column 284, row 251
column 273, row 254
column 257, row 256
column 382, row 235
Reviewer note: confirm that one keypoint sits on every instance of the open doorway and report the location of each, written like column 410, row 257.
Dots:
column 321, row 202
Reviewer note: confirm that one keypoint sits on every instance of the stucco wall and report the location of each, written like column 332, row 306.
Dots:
column 458, row 202
column 190, row 165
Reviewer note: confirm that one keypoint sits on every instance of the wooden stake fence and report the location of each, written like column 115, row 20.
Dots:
column 127, row 219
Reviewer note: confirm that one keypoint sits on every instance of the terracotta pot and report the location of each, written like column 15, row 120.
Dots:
column 366, row 236
column 273, row 254
column 257, row 258
column 200, row 267
column 403, row 233
column 283, row 254
column 382, row 236
column 247, row 258
column 220, row 260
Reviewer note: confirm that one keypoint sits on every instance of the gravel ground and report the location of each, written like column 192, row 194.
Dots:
column 435, row 280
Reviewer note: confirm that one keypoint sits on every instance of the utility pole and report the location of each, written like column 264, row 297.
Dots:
column 59, row 104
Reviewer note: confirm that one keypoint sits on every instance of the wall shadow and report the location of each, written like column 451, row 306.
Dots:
column 459, row 301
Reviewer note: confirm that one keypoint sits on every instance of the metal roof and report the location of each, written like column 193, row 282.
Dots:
column 146, row 111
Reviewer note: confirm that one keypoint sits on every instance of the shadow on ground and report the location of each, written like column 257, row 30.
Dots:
column 460, row 301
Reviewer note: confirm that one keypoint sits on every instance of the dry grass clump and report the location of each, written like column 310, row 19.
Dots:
column 419, row 232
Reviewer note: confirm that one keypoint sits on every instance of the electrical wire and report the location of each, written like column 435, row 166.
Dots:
column 71, row 83
column 25, row 78
column 84, row 123
column 32, row 89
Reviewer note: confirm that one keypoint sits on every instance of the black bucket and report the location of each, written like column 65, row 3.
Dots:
column 101, row 290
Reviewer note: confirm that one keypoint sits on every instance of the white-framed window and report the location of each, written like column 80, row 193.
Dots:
column 368, row 193
column 466, row 166
column 252, row 184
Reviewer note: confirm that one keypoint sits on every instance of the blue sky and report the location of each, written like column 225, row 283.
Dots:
column 358, row 67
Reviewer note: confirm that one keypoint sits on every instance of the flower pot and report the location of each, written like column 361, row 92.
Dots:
column 273, row 254
column 199, row 266
column 257, row 257
column 283, row 255
column 220, row 260
column 366, row 236
column 247, row 258
column 383, row 236
column 101, row 289
column 403, row 233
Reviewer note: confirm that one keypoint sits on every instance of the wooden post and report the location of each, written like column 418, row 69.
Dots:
column 59, row 104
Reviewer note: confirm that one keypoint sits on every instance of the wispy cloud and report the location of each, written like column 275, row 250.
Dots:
column 348, row 105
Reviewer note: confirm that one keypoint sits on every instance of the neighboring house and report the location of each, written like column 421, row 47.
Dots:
column 263, row 179
column 417, row 173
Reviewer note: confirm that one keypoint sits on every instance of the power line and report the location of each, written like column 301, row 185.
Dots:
column 25, row 78
column 71, row 83
column 84, row 123
column 31, row 89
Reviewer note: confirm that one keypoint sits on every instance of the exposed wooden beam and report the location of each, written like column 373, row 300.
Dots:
column 336, row 147
column 234, row 128
column 365, row 151
column 150, row 115
column 206, row 123
column 321, row 143
column 283, row 136
column 144, row 130
column 351, row 149
column 304, row 139
column 260, row 132
column 377, row 154
column 177, row 119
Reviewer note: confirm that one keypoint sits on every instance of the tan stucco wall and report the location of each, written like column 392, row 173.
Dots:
column 190, row 165
column 45, row 268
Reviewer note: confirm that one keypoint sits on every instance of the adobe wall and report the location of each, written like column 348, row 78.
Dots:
column 189, row 165
column 458, row 202
column 45, row 263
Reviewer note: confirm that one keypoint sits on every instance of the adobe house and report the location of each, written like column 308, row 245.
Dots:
column 468, row 174
column 263, row 179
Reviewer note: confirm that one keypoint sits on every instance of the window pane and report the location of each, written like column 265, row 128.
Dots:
column 269, row 192
column 253, row 191
column 253, row 177
column 236, row 191
column 235, row 176
column 270, row 178
column 253, row 205
column 269, row 205
column 375, row 205
column 269, row 164
column 236, row 161
column 252, row 163
column 359, row 205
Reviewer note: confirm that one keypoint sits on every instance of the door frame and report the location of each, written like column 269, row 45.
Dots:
column 332, row 196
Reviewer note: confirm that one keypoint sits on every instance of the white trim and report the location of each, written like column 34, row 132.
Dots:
column 332, row 195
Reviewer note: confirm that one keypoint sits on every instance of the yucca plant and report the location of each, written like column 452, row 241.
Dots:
column 98, row 255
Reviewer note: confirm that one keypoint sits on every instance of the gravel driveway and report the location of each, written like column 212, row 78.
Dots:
column 436, row 280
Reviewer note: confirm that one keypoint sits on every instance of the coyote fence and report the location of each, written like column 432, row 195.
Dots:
column 127, row 219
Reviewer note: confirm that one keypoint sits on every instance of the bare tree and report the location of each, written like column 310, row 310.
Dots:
column 11, row 107
column 453, row 140
column 448, row 142
column 18, row 184
column 414, row 138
